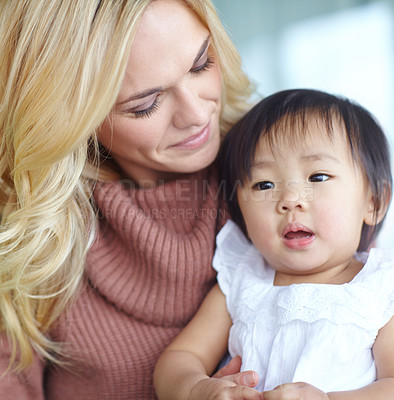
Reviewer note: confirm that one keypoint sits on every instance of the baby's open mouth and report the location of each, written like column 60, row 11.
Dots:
column 297, row 237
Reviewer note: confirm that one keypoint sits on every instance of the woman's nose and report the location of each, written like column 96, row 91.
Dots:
column 190, row 109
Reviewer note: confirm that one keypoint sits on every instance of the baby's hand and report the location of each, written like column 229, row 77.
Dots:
column 231, row 372
column 295, row 391
column 222, row 389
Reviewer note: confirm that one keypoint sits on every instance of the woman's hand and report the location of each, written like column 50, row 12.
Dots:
column 231, row 373
column 295, row 391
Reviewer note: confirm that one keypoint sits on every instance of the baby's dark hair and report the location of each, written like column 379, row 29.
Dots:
column 291, row 109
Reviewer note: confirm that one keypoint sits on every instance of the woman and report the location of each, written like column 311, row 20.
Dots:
column 110, row 120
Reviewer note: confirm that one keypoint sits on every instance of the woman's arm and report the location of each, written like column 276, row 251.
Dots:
column 183, row 370
column 381, row 389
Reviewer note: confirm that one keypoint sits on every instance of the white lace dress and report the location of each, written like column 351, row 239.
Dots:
column 316, row 333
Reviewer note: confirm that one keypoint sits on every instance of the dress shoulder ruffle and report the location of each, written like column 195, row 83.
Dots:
column 238, row 264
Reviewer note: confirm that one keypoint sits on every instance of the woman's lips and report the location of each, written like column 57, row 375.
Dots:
column 297, row 236
column 195, row 141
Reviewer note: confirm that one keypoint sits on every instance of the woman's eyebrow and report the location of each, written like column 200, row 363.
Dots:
column 202, row 49
column 149, row 92
column 140, row 95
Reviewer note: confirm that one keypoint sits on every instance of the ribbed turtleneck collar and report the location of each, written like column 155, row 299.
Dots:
column 155, row 246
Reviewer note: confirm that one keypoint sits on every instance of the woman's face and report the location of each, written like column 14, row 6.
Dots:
column 166, row 118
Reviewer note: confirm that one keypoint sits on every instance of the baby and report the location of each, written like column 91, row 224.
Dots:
column 302, row 296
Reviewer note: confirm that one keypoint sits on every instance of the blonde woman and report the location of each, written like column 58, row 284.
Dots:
column 111, row 115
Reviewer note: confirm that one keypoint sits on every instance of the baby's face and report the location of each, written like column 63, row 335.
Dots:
column 306, row 202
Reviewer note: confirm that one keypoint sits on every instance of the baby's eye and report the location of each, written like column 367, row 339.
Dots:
column 319, row 177
column 263, row 185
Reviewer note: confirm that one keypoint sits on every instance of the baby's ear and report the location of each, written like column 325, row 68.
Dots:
column 377, row 207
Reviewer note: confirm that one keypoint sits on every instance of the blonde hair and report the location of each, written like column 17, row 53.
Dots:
column 62, row 66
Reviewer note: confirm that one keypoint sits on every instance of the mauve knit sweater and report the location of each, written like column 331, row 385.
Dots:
column 148, row 271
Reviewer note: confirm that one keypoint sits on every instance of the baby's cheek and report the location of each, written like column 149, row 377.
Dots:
column 329, row 222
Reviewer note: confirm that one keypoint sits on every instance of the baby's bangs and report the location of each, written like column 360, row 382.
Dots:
column 293, row 128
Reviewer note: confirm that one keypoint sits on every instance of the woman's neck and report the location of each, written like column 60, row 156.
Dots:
column 139, row 177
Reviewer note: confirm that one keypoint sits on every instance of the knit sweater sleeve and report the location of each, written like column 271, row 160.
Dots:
column 25, row 385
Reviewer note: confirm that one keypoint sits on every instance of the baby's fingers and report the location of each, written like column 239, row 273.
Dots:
column 295, row 391
column 231, row 373
column 282, row 392
column 222, row 389
column 244, row 393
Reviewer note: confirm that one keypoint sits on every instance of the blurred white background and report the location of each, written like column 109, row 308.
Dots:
column 344, row 47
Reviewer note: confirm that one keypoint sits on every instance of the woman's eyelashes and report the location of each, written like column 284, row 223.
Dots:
column 199, row 68
column 146, row 109
column 146, row 112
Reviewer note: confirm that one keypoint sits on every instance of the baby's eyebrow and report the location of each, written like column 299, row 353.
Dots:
column 319, row 156
column 262, row 163
column 268, row 162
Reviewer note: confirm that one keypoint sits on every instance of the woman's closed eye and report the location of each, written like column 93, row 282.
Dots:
column 263, row 185
column 200, row 67
column 146, row 109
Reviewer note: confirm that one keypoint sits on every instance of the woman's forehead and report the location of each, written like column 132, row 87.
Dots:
column 166, row 43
